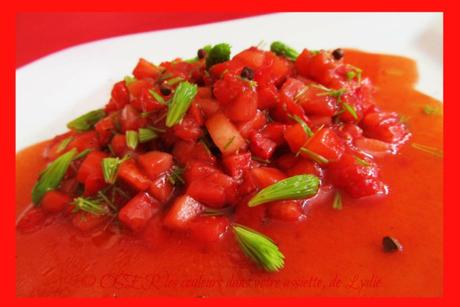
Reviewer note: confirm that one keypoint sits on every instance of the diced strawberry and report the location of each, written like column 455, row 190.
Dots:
column 185, row 151
column 145, row 102
column 138, row 211
column 224, row 134
column 145, row 69
column 267, row 96
column 274, row 132
column 119, row 146
column 120, row 97
column 305, row 166
column 228, row 88
column 196, row 169
column 266, row 176
column 325, row 143
column 104, row 129
column 249, row 216
column 130, row 119
column 252, row 58
column 135, row 87
column 262, row 147
column 315, row 102
column 236, row 163
column 91, row 166
column 209, row 106
column 250, row 126
column 183, row 210
column 286, row 210
column 243, row 107
column 295, row 136
column 209, row 229
column 356, row 178
column 215, row 191
column 161, row 188
column 85, row 140
column 188, row 130
column 385, row 127
column 155, row 163
column 130, row 173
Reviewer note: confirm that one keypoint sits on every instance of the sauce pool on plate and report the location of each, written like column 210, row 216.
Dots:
column 333, row 247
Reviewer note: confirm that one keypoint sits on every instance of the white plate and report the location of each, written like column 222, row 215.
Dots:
column 61, row 86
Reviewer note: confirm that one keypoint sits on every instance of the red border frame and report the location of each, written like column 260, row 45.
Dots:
column 7, row 126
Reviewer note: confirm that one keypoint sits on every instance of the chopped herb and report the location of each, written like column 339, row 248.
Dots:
column 391, row 244
column 157, row 96
column 63, row 144
column 86, row 121
column 91, row 205
column 296, row 187
column 313, row 155
column 146, row 114
column 82, row 154
column 337, row 203
column 155, row 129
column 132, row 139
column 259, row 248
column 303, row 124
column 282, row 49
column 146, row 135
column 129, row 80
column 230, row 141
column 350, row 109
column 300, row 93
column 330, row 92
column 107, row 201
column 361, row 162
column 218, row 54
column 432, row 110
column 217, row 212
column 255, row 158
column 110, row 168
column 428, row 149
column 180, row 103
column 355, row 72
column 175, row 177
column 174, row 80
column 52, row 176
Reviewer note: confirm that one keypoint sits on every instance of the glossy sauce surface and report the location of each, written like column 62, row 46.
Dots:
column 331, row 253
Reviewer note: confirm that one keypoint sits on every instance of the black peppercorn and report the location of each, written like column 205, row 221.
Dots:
column 164, row 90
column 338, row 54
column 247, row 73
column 201, row 53
column 391, row 244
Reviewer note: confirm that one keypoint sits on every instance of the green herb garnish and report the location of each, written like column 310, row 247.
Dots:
column 63, row 144
column 146, row 135
column 361, row 162
column 229, row 142
column 86, row 121
column 175, row 177
column 132, row 139
column 82, row 154
column 174, row 81
column 354, row 73
column 303, row 124
column 110, row 168
column 337, row 94
column 337, row 203
column 282, row 49
column 129, row 80
column 157, row 96
column 91, row 205
column 428, row 149
column 52, row 176
column 296, row 187
column 432, row 110
column 218, row 54
column 350, row 109
column 180, row 103
column 313, row 155
column 259, row 248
